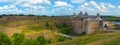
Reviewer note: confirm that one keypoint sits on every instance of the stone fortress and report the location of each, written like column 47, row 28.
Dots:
column 86, row 24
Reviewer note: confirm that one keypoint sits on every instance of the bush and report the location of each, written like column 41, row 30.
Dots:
column 60, row 38
column 64, row 28
column 4, row 40
column 40, row 40
column 29, row 42
column 17, row 38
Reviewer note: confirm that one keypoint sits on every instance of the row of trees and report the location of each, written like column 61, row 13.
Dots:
column 112, row 18
column 18, row 39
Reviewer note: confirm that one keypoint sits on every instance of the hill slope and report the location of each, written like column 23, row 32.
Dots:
column 94, row 39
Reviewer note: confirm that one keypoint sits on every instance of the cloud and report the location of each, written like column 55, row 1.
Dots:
column 37, row 1
column 103, row 6
column 86, row 4
column 62, row 8
column 26, row 5
column 119, row 7
column 36, row 10
column 111, row 6
column 77, row 1
column 28, row 1
column 99, row 7
column 3, row 0
column 86, row 7
column 62, row 4
column 10, row 9
column 93, row 7
column 6, row 7
column 61, row 11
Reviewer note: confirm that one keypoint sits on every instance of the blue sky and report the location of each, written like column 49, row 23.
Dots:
column 60, row 7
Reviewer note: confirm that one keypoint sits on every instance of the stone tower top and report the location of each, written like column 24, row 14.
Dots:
column 80, row 14
column 98, row 15
column 74, row 14
column 86, row 14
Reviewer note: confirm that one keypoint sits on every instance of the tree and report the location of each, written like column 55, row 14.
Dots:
column 4, row 39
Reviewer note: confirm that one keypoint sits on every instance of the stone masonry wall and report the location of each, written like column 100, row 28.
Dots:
column 92, row 25
column 77, row 24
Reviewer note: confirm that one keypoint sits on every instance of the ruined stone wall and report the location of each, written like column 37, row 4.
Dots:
column 15, row 18
column 77, row 24
column 110, row 24
column 92, row 25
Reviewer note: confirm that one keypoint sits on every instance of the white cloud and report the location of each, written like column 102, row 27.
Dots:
column 93, row 7
column 36, row 10
column 86, row 4
column 10, row 9
column 27, row 1
column 118, row 6
column 101, row 8
column 38, row 1
column 62, row 11
column 111, row 6
column 77, row 1
column 7, row 7
column 3, row 0
column 29, row 7
column 62, row 4
column 26, row 5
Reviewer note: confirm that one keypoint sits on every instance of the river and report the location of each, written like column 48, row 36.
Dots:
column 117, row 23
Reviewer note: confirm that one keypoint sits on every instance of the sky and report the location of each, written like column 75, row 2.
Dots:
column 60, row 7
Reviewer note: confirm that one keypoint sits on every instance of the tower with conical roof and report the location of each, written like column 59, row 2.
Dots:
column 86, row 14
column 80, row 14
column 98, row 15
column 74, row 15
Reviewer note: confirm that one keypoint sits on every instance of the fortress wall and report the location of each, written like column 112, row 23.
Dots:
column 77, row 26
column 92, row 25
column 15, row 18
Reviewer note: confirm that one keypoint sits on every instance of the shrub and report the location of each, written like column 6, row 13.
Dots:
column 40, row 40
column 4, row 40
column 17, row 38
column 60, row 38
column 64, row 28
column 29, row 42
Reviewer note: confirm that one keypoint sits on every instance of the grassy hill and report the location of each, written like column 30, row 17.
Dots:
column 97, row 38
